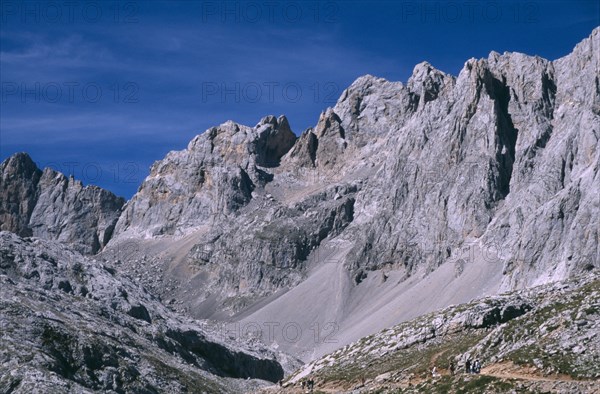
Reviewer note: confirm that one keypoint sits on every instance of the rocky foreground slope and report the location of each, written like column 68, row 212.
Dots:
column 544, row 339
column 73, row 324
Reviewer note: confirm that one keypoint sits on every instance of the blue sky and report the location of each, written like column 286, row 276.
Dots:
column 101, row 89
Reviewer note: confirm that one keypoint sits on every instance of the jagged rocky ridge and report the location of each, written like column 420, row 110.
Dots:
column 49, row 205
column 500, row 161
column 74, row 324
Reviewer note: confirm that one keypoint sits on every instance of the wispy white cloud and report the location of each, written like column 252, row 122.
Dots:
column 70, row 51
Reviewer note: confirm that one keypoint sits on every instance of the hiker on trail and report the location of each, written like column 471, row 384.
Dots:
column 434, row 372
column 303, row 384
column 477, row 366
column 468, row 366
column 452, row 367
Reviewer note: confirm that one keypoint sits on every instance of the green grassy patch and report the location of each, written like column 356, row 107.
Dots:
column 416, row 359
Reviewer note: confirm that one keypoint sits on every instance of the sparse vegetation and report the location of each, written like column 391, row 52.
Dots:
column 542, row 346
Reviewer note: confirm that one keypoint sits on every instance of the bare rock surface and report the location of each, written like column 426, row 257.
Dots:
column 215, row 175
column 73, row 324
column 20, row 176
column 49, row 205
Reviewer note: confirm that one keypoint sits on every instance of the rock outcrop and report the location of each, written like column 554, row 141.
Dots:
column 20, row 177
column 214, row 176
column 49, row 205
column 73, row 324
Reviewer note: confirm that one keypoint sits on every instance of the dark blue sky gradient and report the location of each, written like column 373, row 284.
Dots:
column 146, row 77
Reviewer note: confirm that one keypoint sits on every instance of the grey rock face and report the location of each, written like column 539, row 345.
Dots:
column 504, row 157
column 266, row 251
column 49, row 205
column 73, row 324
column 214, row 176
column 507, row 153
column 20, row 176
column 69, row 212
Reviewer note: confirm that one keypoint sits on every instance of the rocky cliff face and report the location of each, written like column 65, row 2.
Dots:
column 49, row 205
column 505, row 154
column 214, row 176
column 497, row 165
column 20, row 177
